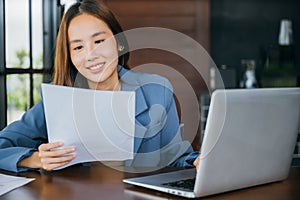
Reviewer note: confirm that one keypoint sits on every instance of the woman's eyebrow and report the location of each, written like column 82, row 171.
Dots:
column 98, row 33
column 75, row 41
column 94, row 35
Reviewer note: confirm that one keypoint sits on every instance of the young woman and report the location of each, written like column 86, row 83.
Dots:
column 92, row 52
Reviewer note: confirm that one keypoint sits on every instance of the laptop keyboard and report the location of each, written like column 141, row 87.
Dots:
column 187, row 184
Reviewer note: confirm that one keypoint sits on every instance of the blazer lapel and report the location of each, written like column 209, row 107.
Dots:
column 131, row 83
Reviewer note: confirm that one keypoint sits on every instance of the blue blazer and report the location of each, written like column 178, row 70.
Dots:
column 157, row 141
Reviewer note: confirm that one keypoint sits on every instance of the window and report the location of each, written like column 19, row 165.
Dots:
column 27, row 38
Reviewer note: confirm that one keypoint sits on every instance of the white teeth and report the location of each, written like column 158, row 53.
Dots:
column 96, row 67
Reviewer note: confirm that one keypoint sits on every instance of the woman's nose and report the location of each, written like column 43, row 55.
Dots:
column 91, row 53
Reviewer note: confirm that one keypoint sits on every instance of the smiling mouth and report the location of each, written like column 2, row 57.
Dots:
column 96, row 68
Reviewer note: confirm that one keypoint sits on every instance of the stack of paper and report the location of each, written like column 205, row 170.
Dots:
column 8, row 183
column 99, row 124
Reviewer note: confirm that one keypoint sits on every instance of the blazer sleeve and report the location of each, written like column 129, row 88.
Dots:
column 173, row 145
column 174, row 151
column 21, row 138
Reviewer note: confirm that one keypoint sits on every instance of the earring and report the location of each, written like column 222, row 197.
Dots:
column 120, row 47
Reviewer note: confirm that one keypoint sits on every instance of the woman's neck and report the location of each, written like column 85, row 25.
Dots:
column 112, row 85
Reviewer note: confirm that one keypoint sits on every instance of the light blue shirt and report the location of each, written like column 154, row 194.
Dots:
column 157, row 141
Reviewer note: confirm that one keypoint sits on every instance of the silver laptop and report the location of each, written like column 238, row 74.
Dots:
column 249, row 140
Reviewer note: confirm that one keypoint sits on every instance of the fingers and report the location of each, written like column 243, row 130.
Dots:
column 49, row 146
column 52, row 156
column 52, row 163
column 49, row 150
column 196, row 162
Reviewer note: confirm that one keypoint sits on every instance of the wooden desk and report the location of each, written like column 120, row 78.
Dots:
column 102, row 182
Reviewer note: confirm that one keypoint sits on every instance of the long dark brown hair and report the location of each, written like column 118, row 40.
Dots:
column 64, row 70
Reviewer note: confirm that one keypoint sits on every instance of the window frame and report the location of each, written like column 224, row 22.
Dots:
column 52, row 14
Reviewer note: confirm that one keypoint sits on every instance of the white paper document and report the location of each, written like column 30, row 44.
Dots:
column 8, row 183
column 100, row 124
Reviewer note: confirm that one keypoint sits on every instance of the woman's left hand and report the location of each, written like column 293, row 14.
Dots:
column 196, row 162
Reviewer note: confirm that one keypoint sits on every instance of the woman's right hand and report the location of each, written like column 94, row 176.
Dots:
column 52, row 156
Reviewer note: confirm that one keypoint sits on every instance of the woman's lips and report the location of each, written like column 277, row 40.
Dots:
column 96, row 68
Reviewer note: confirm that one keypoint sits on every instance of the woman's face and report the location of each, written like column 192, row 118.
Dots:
column 93, row 51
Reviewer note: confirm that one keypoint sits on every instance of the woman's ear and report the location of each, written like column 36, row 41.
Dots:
column 120, row 47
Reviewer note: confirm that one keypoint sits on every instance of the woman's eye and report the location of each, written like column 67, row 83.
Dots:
column 78, row 48
column 99, row 41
